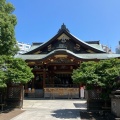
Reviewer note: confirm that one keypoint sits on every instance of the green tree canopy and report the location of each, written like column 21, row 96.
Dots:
column 8, row 44
column 14, row 70
column 102, row 73
column 2, row 73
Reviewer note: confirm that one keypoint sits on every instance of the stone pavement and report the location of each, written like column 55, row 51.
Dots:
column 57, row 109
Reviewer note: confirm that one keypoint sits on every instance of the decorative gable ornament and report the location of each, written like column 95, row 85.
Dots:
column 49, row 47
column 63, row 37
column 77, row 47
column 62, row 46
column 63, row 40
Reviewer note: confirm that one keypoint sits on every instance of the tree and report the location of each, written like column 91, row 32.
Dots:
column 8, row 44
column 85, row 74
column 14, row 70
column 2, row 73
column 102, row 73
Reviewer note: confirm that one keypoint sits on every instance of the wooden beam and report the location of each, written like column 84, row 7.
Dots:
column 44, row 77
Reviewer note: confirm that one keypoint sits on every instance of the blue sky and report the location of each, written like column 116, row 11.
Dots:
column 40, row 20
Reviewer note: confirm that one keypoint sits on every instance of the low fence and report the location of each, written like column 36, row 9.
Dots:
column 94, row 100
column 15, row 96
column 34, row 93
column 92, row 94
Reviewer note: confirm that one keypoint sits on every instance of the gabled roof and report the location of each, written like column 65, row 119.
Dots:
column 90, row 46
column 61, row 31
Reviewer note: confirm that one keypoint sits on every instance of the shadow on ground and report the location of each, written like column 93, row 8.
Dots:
column 66, row 113
column 96, row 115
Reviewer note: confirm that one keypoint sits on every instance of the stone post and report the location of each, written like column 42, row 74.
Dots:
column 115, row 103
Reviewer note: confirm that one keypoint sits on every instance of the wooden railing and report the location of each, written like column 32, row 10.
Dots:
column 61, row 93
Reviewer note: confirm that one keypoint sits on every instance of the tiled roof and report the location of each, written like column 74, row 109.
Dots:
column 64, row 51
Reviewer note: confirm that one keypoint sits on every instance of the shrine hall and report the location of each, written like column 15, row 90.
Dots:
column 53, row 62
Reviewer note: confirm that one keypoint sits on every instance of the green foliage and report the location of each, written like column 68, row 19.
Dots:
column 14, row 70
column 8, row 45
column 108, row 70
column 102, row 73
column 85, row 73
column 2, row 73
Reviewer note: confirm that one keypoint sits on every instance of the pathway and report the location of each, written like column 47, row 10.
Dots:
column 57, row 109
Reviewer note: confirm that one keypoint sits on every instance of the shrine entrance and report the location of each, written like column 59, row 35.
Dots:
column 60, row 80
column 53, row 74
column 64, row 79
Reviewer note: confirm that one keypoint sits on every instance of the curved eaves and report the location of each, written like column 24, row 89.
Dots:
column 40, row 57
column 45, row 43
column 70, row 35
column 86, row 44
column 63, row 52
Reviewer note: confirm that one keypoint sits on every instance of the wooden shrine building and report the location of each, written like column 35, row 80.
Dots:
column 53, row 63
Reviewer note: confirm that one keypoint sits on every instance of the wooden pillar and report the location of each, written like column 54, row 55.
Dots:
column 52, row 78
column 44, row 77
column 33, row 80
column 33, row 83
column 26, row 88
